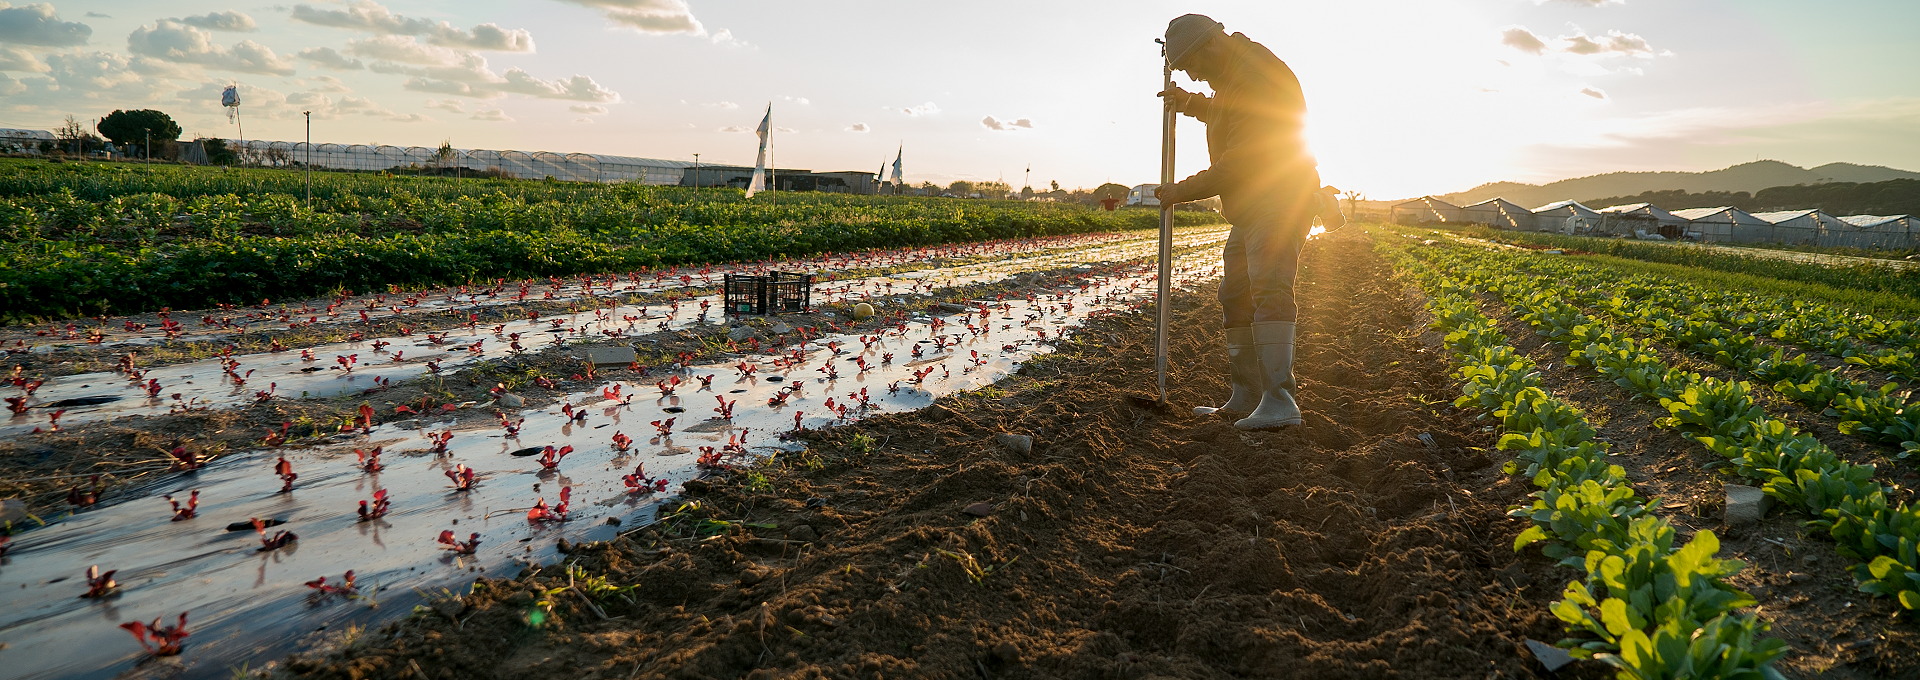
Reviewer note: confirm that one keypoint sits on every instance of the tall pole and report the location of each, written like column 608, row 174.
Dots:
column 146, row 150
column 309, row 161
column 696, row 171
column 1162, row 299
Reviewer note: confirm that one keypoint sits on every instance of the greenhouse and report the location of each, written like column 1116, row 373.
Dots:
column 570, row 167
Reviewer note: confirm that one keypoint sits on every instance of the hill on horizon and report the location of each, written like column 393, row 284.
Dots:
column 1747, row 177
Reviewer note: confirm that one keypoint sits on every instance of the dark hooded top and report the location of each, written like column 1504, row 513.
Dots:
column 1255, row 138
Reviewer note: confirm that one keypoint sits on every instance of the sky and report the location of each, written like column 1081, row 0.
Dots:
column 1405, row 97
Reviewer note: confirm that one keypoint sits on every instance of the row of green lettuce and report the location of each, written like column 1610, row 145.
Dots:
column 1885, row 278
column 1685, row 319
column 1792, row 467
column 1651, row 609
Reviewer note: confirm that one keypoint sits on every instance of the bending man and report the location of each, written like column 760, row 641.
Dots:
column 1269, row 191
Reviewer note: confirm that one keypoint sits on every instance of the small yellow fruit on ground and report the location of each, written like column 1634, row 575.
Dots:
column 862, row 310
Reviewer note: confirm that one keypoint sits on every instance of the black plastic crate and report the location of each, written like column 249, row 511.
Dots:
column 771, row 294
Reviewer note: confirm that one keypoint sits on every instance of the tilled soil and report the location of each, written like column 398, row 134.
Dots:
column 1129, row 541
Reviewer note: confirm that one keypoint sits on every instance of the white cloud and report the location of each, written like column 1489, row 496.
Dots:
column 449, row 105
column 221, row 21
column 926, row 109
column 97, row 15
column 589, row 109
column 859, row 127
column 784, row 130
column 177, row 42
column 327, row 84
column 492, row 115
column 651, row 16
column 1519, row 38
column 736, row 128
column 583, row 120
column 440, row 70
column 406, row 50
column 16, row 59
column 371, row 17
column 721, row 105
column 803, row 101
column 1593, row 92
column 724, row 38
column 328, row 58
column 10, row 87
column 1614, row 42
column 38, row 24
column 992, row 123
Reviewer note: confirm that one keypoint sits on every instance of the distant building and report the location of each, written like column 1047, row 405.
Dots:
column 1804, row 227
column 1641, row 220
column 1498, row 213
column 783, row 179
column 14, row 140
column 1723, row 225
column 1566, row 217
column 1876, row 231
column 1426, row 210
column 1143, row 195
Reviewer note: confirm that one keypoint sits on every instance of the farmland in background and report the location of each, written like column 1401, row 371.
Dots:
column 84, row 239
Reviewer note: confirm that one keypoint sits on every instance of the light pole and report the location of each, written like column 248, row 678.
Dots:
column 309, row 161
column 696, row 171
column 146, row 150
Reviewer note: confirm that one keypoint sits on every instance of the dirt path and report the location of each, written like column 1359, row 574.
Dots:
column 1370, row 543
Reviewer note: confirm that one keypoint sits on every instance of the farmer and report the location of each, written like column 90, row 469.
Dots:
column 1269, row 190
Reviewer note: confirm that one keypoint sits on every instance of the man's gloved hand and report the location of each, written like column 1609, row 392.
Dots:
column 1170, row 194
column 1181, row 99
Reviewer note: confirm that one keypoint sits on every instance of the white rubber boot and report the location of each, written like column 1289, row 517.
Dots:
column 1273, row 342
column 1244, row 362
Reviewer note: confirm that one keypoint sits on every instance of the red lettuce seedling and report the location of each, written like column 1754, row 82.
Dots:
column 511, row 426
column 17, row 404
column 284, row 470
column 726, row 407
column 184, row 460
column 379, row 507
column 462, row 477
column 346, row 586
column 81, row 497
column 100, row 584
column 466, row 547
column 184, row 512
column 550, row 457
column 366, row 417
column 558, row 513
column 157, row 639
column 369, row 461
column 639, row 482
column 440, row 440
column 622, row 442
column 280, row 539
column 663, row 427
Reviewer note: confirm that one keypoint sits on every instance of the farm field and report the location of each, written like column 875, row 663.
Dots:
column 819, row 494
column 86, row 239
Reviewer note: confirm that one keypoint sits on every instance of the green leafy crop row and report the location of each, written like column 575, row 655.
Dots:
column 1651, row 609
column 1791, row 466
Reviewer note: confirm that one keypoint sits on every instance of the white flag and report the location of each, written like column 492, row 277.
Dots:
column 896, row 163
column 759, row 182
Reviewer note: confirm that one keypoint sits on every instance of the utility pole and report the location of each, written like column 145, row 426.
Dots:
column 309, row 162
column 696, row 171
column 146, row 150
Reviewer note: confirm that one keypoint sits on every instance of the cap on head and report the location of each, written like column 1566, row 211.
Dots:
column 1187, row 33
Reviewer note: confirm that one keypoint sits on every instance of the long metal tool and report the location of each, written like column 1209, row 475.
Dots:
column 1162, row 300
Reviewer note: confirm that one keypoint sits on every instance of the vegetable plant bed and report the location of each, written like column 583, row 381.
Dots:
column 1127, row 542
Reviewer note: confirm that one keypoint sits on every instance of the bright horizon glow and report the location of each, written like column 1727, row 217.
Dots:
column 1405, row 98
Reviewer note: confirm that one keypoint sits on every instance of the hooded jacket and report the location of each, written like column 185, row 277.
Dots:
column 1256, row 120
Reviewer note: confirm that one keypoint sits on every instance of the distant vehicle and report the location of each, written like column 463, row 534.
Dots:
column 1143, row 195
